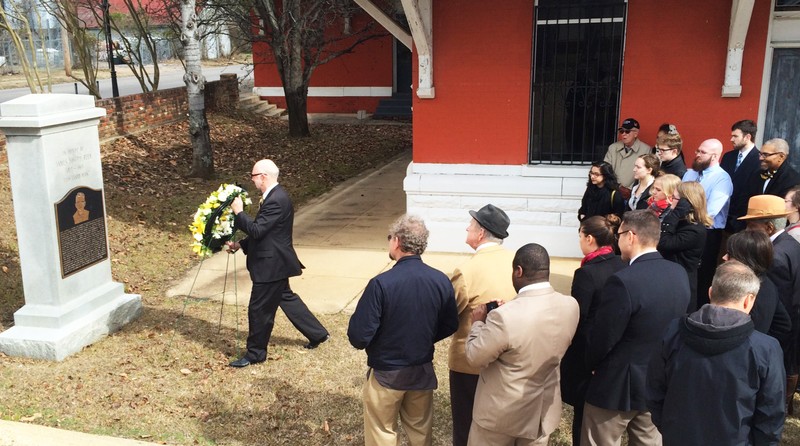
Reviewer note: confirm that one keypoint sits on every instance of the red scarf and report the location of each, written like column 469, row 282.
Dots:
column 657, row 206
column 601, row 251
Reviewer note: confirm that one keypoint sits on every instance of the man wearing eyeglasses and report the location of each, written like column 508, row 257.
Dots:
column 740, row 163
column 635, row 306
column 776, row 176
column 623, row 153
column 271, row 260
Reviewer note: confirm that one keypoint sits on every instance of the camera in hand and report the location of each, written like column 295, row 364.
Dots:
column 491, row 306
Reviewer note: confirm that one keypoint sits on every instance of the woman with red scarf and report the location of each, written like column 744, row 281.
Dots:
column 596, row 238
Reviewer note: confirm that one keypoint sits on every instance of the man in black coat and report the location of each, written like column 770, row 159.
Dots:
column 740, row 163
column 714, row 379
column 271, row 260
column 635, row 306
column 767, row 213
column 776, row 176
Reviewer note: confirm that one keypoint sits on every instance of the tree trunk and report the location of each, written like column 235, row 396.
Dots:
column 296, row 104
column 202, row 155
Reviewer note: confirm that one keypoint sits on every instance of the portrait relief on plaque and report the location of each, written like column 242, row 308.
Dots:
column 81, row 223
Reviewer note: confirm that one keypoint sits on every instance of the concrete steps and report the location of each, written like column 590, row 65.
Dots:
column 254, row 104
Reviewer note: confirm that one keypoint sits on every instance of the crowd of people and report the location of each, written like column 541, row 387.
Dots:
column 682, row 328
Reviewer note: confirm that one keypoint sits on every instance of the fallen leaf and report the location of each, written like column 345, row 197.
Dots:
column 33, row 417
column 186, row 371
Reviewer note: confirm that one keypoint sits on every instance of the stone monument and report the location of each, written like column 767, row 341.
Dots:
column 71, row 300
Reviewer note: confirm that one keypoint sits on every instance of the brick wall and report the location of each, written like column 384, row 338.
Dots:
column 138, row 112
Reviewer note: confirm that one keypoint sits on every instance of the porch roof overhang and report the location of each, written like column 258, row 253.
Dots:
column 418, row 14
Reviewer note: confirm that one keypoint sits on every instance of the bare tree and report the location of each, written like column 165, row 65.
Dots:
column 302, row 36
column 84, row 44
column 15, row 22
column 202, row 155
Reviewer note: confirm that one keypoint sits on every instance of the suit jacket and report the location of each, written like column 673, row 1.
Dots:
column 587, row 282
column 784, row 179
column 785, row 271
column 268, row 246
column 485, row 277
column 635, row 306
column 740, row 178
column 519, row 349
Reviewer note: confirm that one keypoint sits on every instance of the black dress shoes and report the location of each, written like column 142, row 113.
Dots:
column 243, row 362
column 314, row 344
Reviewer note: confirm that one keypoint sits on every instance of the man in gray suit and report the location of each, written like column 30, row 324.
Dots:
column 518, row 348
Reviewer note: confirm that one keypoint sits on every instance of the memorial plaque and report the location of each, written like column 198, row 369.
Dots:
column 81, row 224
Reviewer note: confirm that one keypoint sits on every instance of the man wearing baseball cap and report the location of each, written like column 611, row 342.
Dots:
column 481, row 279
column 623, row 153
column 767, row 213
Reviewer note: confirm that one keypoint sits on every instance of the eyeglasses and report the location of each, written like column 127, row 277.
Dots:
column 253, row 175
column 768, row 154
column 660, row 150
column 618, row 234
column 595, row 174
column 625, row 131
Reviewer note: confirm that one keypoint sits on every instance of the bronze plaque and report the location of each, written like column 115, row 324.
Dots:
column 81, row 221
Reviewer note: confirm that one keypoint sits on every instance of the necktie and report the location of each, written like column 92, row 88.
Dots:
column 699, row 177
column 738, row 161
column 627, row 149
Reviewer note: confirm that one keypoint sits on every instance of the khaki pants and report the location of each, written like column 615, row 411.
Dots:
column 381, row 407
column 479, row 436
column 603, row 427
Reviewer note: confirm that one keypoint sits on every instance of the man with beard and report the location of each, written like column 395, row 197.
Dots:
column 740, row 163
column 776, row 176
column 718, row 187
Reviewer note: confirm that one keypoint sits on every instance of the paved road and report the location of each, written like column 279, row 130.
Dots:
column 170, row 77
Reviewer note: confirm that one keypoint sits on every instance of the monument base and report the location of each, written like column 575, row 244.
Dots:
column 55, row 344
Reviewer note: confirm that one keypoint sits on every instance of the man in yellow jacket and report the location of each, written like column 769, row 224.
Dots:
column 481, row 279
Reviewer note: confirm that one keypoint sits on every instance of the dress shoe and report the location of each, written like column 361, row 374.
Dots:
column 315, row 344
column 243, row 362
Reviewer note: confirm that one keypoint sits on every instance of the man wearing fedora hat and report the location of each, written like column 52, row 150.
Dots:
column 767, row 213
column 481, row 279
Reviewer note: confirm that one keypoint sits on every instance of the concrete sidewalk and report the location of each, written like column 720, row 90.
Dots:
column 341, row 239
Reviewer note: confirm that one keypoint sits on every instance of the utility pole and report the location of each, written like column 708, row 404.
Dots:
column 110, row 48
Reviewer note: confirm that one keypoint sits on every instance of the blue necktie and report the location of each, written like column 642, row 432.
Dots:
column 738, row 161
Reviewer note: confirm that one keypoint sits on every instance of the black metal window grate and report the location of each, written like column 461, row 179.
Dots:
column 577, row 70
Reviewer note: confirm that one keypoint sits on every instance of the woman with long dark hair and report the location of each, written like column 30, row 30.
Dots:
column 602, row 196
column 683, row 233
column 754, row 249
column 596, row 238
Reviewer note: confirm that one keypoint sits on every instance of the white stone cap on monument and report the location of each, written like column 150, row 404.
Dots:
column 71, row 300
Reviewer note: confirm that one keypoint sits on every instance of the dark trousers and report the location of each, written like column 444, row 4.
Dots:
column 301, row 317
column 708, row 264
column 264, row 301
column 462, row 397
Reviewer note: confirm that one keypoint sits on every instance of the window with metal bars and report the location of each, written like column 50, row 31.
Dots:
column 577, row 71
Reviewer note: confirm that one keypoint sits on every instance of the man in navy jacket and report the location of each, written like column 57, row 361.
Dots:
column 635, row 306
column 401, row 315
column 715, row 380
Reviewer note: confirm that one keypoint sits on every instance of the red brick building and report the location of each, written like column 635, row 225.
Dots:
column 512, row 100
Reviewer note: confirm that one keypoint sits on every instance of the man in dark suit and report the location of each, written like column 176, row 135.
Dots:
column 271, row 260
column 767, row 213
column 740, row 163
column 776, row 176
column 636, row 305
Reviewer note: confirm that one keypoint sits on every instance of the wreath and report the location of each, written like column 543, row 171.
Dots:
column 213, row 223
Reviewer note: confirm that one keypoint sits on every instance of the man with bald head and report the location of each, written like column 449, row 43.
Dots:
column 271, row 260
column 718, row 187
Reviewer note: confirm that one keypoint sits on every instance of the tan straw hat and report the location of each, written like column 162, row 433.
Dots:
column 765, row 206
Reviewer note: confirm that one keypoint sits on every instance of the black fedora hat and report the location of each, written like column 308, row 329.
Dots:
column 493, row 219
